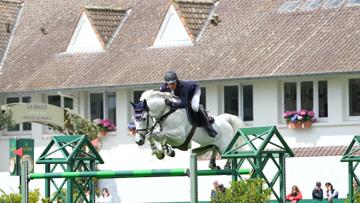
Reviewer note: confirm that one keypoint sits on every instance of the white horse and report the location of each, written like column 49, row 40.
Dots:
column 155, row 121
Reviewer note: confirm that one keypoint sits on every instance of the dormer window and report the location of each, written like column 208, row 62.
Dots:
column 96, row 29
column 184, row 23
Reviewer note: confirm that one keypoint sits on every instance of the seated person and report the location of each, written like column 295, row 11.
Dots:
column 317, row 192
column 295, row 195
column 331, row 193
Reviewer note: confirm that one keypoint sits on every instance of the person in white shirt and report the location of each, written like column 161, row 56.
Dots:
column 105, row 197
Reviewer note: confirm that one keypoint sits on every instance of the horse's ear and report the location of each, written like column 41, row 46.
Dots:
column 146, row 107
column 132, row 104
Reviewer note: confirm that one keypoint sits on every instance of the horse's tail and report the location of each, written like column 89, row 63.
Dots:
column 234, row 121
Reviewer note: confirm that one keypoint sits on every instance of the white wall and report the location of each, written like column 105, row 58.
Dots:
column 120, row 153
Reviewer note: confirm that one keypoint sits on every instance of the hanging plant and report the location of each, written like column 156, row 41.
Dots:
column 6, row 118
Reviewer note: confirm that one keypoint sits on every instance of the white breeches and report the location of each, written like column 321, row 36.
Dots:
column 195, row 101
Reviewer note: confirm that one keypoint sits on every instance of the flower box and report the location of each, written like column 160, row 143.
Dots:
column 104, row 126
column 300, row 119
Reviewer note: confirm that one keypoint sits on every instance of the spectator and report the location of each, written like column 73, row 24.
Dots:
column 295, row 195
column 331, row 193
column 105, row 197
column 217, row 188
column 317, row 193
column 131, row 129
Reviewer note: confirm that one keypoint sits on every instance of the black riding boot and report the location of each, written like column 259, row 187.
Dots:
column 211, row 131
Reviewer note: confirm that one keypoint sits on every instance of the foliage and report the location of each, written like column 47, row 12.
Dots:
column 357, row 198
column 34, row 197
column 105, row 124
column 5, row 118
column 244, row 191
column 300, row 116
column 77, row 125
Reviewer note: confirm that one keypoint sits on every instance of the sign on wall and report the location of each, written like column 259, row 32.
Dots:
column 38, row 113
column 21, row 150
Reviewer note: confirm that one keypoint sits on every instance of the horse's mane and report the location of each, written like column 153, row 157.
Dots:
column 148, row 94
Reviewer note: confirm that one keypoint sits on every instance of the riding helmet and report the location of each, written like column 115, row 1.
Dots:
column 171, row 77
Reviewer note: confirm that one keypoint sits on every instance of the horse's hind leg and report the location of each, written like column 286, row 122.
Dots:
column 212, row 163
column 228, row 164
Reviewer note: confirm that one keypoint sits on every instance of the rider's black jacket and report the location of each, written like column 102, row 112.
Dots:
column 185, row 90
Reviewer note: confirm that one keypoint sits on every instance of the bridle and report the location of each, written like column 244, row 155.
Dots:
column 139, row 117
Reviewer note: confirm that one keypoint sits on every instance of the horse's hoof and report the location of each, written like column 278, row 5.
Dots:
column 227, row 167
column 218, row 167
column 172, row 153
column 140, row 143
column 212, row 166
column 160, row 156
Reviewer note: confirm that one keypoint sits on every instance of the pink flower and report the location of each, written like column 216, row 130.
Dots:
column 303, row 113
column 311, row 114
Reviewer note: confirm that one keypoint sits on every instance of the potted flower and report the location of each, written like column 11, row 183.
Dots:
column 300, row 119
column 104, row 126
column 306, row 118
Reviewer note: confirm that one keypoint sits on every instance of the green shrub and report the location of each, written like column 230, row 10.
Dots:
column 357, row 198
column 244, row 191
column 34, row 197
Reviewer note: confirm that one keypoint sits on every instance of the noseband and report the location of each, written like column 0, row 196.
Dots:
column 139, row 116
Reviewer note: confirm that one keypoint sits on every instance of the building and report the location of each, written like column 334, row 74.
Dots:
column 255, row 59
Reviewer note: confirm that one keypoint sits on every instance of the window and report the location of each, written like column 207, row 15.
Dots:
column 23, row 126
column 136, row 95
column 103, row 105
column 60, row 101
column 307, row 96
column 290, row 96
column 247, row 102
column 332, row 3
column 289, row 6
column 111, row 106
column 323, row 97
column 231, row 100
column 311, row 4
column 354, row 97
column 96, row 106
column 302, row 96
column 203, row 97
column 354, row 3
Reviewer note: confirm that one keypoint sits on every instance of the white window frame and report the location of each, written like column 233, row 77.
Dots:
column 48, row 129
column 105, row 107
column 347, row 100
column 241, row 95
column 298, row 97
column 240, row 100
column 21, row 126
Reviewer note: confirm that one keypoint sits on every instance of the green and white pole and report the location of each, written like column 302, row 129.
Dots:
column 24, row 182
column 193, row 178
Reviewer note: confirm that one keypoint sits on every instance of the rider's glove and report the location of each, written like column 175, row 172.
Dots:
column 168, row 102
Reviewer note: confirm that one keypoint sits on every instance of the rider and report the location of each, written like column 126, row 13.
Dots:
column 189, row 93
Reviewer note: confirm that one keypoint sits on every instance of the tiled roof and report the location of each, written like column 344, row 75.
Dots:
column 194, row 13
column 253, row 40
column 303, row 152
column 106, row 21
column 319, row 151
column 8, row 14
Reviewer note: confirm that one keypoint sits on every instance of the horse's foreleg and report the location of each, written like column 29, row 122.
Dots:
column 167, row 149
column 158, row 153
